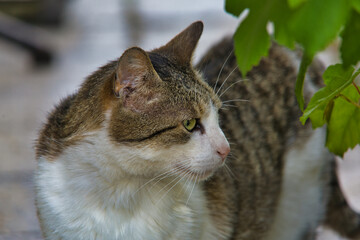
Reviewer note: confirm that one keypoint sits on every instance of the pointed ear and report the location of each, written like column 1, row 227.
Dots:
column 182, row 46
column 134, row 68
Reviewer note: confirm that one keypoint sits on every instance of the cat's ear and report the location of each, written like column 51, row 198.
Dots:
column 134, row 69
column 182, row 46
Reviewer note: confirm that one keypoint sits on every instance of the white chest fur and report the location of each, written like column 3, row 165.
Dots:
column 76, row 202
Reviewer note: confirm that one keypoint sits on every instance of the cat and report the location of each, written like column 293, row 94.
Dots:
column 139, row 151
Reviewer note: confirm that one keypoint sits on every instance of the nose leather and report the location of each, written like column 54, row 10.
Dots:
column 223, row 151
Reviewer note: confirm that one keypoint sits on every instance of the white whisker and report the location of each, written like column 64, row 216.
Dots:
column 181, row 178
column 228, row 105
column 241, row 80
column 168, row 184
column 218, row 77
column 165, row 173
column 194, row 183
column 229, row 171
column 170, row 173
column 225, row 80
column 236, row 100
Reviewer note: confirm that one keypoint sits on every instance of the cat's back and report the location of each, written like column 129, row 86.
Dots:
column 260, row 117
column 263, row 100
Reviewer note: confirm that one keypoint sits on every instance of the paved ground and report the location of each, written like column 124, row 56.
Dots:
column 91, row 36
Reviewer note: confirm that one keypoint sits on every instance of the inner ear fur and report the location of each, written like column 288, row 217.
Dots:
column 133, row 70
column 182, row 46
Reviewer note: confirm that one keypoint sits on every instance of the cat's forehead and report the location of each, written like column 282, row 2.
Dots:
column 185, row 82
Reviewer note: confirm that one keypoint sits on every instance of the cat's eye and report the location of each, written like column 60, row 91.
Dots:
column 190, row 124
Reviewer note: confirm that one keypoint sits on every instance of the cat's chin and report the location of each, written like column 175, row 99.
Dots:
column 196, row 175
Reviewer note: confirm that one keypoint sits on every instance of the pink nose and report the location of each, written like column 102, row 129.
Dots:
column 223, row 151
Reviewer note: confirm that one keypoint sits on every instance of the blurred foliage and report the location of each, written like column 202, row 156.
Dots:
column 313, row 25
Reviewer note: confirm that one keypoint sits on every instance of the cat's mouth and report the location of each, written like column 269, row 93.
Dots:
column 196, row 175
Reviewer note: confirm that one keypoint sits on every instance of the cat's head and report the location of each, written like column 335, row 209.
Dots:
column 164, row 114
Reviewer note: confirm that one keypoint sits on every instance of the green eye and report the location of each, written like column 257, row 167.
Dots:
column 190, row 124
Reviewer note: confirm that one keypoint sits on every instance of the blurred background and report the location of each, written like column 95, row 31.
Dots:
column 48, row 47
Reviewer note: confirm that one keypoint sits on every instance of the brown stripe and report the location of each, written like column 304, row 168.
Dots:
column 151, row 135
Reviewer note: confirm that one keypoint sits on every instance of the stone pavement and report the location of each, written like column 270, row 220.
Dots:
column 92, row 35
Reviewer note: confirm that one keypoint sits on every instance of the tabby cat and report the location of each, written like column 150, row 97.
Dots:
column 138, row 152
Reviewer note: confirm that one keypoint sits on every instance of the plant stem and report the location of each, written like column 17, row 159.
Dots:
column 299, row 86
column 357, row 88
column 348, row 100
column 353, row 79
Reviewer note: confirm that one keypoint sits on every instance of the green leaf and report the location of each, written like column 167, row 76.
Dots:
column 337, row 73
column 251, row 38
column 283, row 37
column 251, row 42
column 236, row 7
column 356, row 5
column 328, row 110
column 350, row 46
column 317, row 116
column 336, row 79
column 295, row 3
column 343, row 127
column 318, row 22
column 280, row 16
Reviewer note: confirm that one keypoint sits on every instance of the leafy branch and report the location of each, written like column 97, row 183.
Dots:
column 312, row 24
